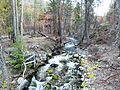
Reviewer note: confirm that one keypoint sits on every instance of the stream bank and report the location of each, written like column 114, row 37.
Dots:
column 61, row 72
column 57, row 72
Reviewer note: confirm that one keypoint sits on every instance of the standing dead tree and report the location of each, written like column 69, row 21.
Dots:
column 118, row 25
column 55, row 7
column 86, row 22
column 4, row 77
column 21, row 22
column 15, row 18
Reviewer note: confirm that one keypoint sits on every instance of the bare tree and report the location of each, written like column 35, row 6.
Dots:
column 59, row 23
column 21, row 23
column 86, row 32
column 34, row 15
column 4, row 75
column 15, row 18
column 118, row 24
column 88, row 4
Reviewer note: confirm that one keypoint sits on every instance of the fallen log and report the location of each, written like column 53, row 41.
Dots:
column 46, row 36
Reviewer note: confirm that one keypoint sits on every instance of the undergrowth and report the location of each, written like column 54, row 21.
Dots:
column 17, row 58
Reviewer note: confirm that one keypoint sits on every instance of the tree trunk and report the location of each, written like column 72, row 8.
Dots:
column 34, row 15
column 4, row 75
column 59, row 26
column 21, row 23
column 15, row 19
column 86, row 24
column 118, row 26
column 54, row 22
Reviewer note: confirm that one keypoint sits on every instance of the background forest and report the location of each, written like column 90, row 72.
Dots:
column 59, row 45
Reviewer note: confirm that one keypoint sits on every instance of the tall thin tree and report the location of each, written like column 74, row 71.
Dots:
column 15, row 18
column 21, row 23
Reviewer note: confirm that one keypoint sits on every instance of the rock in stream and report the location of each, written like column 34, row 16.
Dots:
column 61, row 73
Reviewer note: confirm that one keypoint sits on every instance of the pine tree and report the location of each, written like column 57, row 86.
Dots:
column 68, row 16
column 53, row 7
column 78, row 17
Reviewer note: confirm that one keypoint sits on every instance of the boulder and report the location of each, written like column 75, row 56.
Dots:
column 23, row 84
column 54, row 65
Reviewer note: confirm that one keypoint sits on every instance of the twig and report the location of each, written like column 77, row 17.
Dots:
column 111, row 76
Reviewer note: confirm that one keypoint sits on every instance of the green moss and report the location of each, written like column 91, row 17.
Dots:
column 52, row 82
column 58, row 85
column 50, row 71
column 91, row 76
column 83, row 84
column 5, row 85
column 55, row 77
column 48, row 86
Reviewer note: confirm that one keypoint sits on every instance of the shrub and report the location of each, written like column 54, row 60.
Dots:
column 17, row 58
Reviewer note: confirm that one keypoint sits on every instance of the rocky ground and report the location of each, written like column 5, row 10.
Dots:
column 101, row 67
column 108, row 72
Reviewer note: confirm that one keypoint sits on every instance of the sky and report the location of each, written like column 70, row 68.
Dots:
column 102, row 9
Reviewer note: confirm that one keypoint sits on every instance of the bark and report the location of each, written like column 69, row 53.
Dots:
column 59, row 27
column 15, row 19
column 86, row 21
column 3, row 67
column 46, row 36
column 63, row 14
column 118, row 14
column 21, row 23
column 118, row 26
column 54, row 22
column 34, row 16
column 81, row 8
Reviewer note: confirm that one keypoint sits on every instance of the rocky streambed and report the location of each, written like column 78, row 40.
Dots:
column 63, row 72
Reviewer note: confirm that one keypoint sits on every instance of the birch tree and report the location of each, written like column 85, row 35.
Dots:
column 15, row 18
column 21, row 22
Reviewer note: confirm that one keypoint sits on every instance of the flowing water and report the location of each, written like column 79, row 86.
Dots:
column 63, row 72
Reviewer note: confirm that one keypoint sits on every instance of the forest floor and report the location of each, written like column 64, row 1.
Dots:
column 107, row 75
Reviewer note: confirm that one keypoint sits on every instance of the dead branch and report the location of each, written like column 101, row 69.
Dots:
column 46, row 36
column 110, row 77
